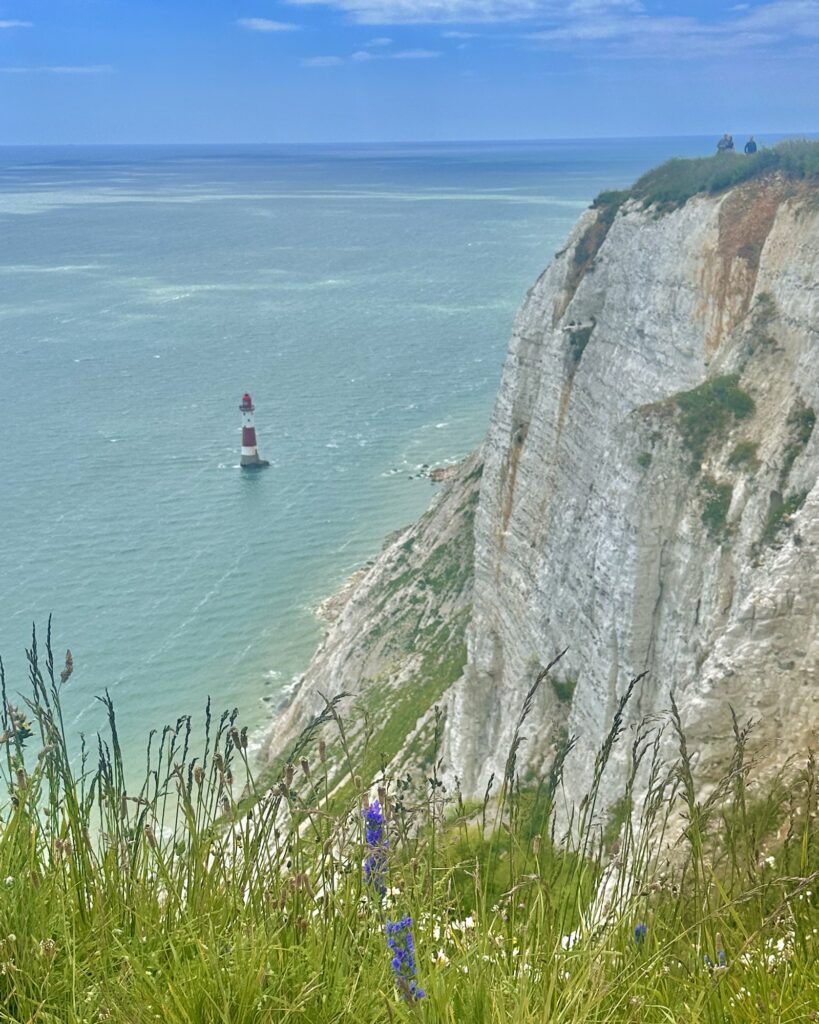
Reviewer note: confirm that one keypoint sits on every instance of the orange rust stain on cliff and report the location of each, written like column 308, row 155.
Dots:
column 563, row 407
column 508, row 478
column 729, row 274
column 509, row 472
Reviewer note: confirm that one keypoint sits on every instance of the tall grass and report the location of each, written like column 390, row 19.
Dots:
column 673, row 183
column 201, row 896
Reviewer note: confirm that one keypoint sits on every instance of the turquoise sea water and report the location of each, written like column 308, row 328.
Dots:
column 364, row 295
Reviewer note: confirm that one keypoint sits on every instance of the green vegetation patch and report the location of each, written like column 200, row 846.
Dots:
column 709, row 410
column 764, row 309
column 618, row 814
column 744, row 456
column 780, row 514
column 715, row 509
column 578, row 340
column 608, row 204
column 673, row 183
column 411, row 701
column 449, row 566
column 644, row 460
column 802, row 420
column 417, row 590
column 564, row 689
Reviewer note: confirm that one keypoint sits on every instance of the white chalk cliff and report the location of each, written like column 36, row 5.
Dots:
column 648, row 501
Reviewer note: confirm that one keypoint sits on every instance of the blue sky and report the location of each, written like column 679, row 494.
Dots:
column 110, row 71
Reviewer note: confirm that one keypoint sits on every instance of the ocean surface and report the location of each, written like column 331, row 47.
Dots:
column 364, row 295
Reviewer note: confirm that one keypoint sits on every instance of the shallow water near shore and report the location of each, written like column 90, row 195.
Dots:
column 364, row 295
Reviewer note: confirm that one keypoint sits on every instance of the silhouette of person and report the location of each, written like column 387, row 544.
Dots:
column 725, row 143
column 750, row 146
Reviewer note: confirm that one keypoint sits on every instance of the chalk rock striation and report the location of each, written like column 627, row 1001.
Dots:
column 648, row 500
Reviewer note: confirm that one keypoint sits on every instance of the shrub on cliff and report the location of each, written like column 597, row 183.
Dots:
column 708, row 410
column 716, row 504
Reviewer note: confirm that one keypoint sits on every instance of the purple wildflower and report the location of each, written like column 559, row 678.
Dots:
column 375, row 864
column 402, row 947
column 640, row 933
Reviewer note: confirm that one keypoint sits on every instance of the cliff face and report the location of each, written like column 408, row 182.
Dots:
column 648, row 500
column 649, row 496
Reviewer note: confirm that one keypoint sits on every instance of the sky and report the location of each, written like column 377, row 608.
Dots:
column 267, row 71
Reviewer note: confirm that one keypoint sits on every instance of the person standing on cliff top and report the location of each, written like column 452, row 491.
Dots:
column 750, row 146
column 725, row 143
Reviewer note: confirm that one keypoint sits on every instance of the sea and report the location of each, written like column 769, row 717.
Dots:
column 363, row 294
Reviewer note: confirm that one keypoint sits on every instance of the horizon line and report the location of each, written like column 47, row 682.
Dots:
column 409, row 142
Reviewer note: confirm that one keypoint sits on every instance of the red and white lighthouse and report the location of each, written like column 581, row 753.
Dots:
column 250, row 453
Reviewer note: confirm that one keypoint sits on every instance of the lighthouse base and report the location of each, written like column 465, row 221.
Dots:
column 253, row 462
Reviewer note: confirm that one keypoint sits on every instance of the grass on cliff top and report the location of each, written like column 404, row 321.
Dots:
column 163, row 900
column 673, row 183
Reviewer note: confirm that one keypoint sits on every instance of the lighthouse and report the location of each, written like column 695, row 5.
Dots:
column 250, row 454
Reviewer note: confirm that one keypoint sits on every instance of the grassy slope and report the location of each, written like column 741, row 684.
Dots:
column 169, row 915
column 673, row 183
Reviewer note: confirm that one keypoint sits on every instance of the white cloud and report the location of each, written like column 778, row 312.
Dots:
column 596, row 8
column 630, row 32
column 414, row 12
column 362, row 56
column 614, row 28
column 16, row 24
column 265, row 25
column 380, row 41
column 322, row 62
column 784, row 17
column 79, row 69
column 61, row 69
column 415, row 55
column 390, row 12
